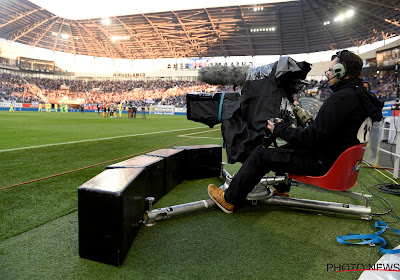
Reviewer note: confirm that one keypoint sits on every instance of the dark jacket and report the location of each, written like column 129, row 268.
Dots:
column 337, row 123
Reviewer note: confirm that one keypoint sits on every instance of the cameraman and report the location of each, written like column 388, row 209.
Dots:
column 311, row 150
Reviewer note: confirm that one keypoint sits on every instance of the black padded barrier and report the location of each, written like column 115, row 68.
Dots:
column 202, row 161
column 154, row 169
column 110, row 211
column 174, row 163
column 111, row 205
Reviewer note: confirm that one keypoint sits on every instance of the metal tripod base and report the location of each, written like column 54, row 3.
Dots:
column 261, row 194
column 152, row 216
column 156, row 215
column 363, row 211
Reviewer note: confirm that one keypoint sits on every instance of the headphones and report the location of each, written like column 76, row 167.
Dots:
column 339, row 70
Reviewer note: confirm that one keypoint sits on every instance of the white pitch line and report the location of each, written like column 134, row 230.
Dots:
column 98, row 139
column 189, row 135
column 183, row 135
column 200, row 137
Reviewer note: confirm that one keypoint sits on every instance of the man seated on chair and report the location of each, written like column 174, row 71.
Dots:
column 312, row 150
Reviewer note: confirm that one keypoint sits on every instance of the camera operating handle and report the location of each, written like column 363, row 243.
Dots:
column 303, row 116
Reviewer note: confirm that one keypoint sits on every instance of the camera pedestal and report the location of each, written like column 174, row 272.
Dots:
column 364, row 212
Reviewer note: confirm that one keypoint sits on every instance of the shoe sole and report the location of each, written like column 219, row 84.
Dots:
column 219, row 205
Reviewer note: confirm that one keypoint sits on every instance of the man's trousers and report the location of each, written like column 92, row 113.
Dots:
column 280, row 160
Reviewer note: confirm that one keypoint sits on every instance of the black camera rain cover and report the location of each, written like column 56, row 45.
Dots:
column 205, row 107
column 244, row 117
column 247, row 128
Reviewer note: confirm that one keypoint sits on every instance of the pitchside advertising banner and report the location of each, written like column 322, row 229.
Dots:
column 162, row 110
column 157, row 110
column 180, row 110
column 15, row 104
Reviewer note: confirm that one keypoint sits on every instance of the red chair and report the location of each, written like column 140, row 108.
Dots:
column 343, row 173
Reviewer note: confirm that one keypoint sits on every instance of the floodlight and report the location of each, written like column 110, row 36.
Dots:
column 106, row 21
column 349, row 13
column 117, row 38
column 339, row 18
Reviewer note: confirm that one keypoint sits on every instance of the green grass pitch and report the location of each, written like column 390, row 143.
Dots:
column 39, row 221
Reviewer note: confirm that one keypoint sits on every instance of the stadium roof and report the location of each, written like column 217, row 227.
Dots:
column 99, row 9
column 292, row 27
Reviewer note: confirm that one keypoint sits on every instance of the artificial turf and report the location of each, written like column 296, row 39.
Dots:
column 39, row 221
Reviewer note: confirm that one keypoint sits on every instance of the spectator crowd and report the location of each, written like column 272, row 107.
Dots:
column 28, row 89
column 384, row 88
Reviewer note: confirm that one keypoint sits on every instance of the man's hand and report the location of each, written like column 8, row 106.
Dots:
column 271, row 126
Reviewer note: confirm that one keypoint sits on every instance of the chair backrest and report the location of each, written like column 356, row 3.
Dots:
column 343, row 173
column 364, row 131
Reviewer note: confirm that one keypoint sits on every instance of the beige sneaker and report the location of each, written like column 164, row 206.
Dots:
column 284, row 194
column 218, row 196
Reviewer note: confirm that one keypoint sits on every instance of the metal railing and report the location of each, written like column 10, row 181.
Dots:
column 386, row 130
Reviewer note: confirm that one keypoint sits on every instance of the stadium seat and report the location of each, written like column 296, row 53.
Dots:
column 342, row 175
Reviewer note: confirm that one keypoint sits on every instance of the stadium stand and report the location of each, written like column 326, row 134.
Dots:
column 164, row 92
column 25, row 89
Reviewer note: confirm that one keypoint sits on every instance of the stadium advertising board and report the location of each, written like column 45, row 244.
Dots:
column 91, row 107
column 195, row 63
column 7, row 104
column 162, row 110
column 128, row 75
column 156, row 110
column 180, row 110
column 387, row 58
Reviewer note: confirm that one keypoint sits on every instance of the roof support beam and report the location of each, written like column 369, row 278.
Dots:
column 27, row 30
column 377, row 22
column 187, row 33
column 71, row 36
column 304, row 29
column 349, row 26
column 220, row 40
column 147, row 49
column 106, row 51
column 89, row 50
column 170, row 48
column 20, row 16
column 58, row 35
column 323, row 29
column 394, row 22
column 382, row 5
column 247, row 32
column 118, row 45
column 279, row 29
column 41, row 35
